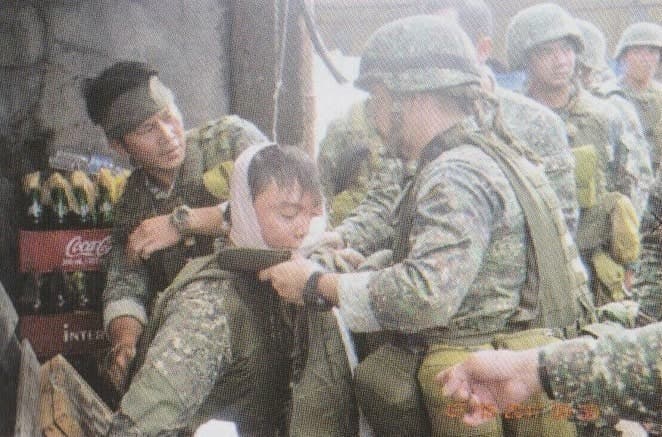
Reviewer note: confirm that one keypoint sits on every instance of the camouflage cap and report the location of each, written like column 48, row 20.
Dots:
column 419, row 53
column 639, row 34
column 595, row 50
column 539, row 24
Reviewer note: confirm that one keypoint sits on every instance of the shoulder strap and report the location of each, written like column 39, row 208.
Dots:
column 556, row 298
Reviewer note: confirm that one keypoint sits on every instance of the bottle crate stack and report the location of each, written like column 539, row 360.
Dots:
column 65, row 234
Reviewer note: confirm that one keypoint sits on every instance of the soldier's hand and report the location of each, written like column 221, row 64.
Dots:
column 150, row 236
column 124, row 333
column 351, row 256
column 491, row 381
column 289, row 278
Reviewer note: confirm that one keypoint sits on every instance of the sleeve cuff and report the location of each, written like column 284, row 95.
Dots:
column 354, row 303
column 124, row 307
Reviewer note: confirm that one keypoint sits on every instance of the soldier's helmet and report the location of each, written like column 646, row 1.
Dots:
column 417, row 54
column 595, row 49
column 639, row 34
column 539, row 24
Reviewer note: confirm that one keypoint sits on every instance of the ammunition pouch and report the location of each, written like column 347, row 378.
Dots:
column 388, row 394
column 610, row 276
column 586, row 171
column 532, row 418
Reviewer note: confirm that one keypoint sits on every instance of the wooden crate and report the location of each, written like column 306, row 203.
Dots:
column 55, row 401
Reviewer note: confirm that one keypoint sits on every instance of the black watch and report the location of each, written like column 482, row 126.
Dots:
column 311, row 297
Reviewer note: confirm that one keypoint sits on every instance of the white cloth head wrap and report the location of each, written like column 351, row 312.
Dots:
column 245, row 230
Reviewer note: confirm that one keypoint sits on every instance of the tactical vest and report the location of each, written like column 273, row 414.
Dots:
column 555, row 293
column 138, row 204
column 649, row 108
column 254, row 391
column 588, row 137
column 607, row 235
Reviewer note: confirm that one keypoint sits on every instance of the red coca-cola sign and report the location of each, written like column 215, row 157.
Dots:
column 79, row 247
column 68, row 250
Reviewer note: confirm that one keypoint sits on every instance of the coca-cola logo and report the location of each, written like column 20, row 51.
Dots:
column 78, row 247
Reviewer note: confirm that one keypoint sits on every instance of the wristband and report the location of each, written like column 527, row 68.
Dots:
column 311, row 297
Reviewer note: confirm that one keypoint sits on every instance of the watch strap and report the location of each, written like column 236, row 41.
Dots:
column 311, row 297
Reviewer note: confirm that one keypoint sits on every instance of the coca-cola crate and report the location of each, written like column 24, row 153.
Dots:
column 77, row 333
column 62, row 250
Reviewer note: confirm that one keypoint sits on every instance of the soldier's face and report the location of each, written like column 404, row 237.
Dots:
column 551, row 65
column 284, row 214
column 158, row 143
column 641, row 62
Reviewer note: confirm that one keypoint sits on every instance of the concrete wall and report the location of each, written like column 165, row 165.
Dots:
column 47, row 48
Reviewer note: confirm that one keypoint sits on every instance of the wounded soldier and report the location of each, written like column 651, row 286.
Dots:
column 217, row 344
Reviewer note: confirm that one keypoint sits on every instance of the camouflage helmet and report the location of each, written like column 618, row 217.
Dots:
column 595, row 49
column 417, row 54
column 639, row 34
column 537, row 25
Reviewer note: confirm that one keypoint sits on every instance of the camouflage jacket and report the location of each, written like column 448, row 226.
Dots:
column 647, row 287
column 466, row 264
column 370, row 226
column 648, row 104
column 129, row 289
column 618, row 375
column 638, row 167
column 216, row 347
column 366, row 204
column 592, row 121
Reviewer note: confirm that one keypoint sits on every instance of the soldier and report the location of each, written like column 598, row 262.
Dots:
column 544, row 39
column 349, row 154
column 618, row 375
column 217, row 346
column 459, row 272
column 529, row 121
column 647, row 288
column 638, row 52
column 165, row 202
column 595, row 76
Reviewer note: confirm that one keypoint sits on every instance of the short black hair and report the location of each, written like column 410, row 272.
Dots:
column 284, row 165
column 100, row 92
column 474, row 16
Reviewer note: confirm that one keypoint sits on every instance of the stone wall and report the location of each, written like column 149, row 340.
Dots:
column 48, row 48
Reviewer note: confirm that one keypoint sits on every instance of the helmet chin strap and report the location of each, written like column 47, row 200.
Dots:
column 395, row 141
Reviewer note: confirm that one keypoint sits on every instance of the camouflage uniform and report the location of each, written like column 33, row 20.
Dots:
column 615, row 376
column 647, row 102
column 376, row 189
column 606, row 156
column 533, row 124
column 647, row 287
column 452, row 283
column 129, row 289
column 216, row 347
column 637, row 167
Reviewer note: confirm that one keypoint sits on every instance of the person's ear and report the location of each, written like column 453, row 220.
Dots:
column 484, row 49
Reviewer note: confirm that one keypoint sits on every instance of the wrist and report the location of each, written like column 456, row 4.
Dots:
column 312, row 297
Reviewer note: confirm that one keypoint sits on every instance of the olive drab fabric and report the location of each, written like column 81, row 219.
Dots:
column 253, row 391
